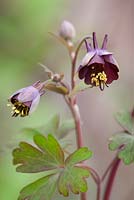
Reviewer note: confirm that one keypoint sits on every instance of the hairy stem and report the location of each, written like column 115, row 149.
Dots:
column 111, row 179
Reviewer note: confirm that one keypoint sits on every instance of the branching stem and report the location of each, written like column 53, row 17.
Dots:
column 72, row 104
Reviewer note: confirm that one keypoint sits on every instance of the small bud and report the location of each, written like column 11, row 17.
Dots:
column 67, row 30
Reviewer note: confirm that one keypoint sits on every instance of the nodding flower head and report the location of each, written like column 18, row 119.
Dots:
column 98, row 67
column 26, row 100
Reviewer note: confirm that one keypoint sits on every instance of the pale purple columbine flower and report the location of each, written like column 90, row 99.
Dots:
column 98, row 67
column 26, row 100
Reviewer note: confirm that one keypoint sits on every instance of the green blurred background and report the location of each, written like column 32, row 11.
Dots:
column 25, row 41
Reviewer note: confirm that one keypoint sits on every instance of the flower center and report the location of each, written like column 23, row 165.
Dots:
column 99, row 79
column 19, row 109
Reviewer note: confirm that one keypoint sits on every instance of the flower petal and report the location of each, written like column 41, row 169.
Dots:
column 34, row 104
column 96, row 59
column 87, row 79
column 104, row 53
column 28, row 94
column 88, row 57
column 82, row 71
column 110, row 59
column 16, row 93
column 111, row 72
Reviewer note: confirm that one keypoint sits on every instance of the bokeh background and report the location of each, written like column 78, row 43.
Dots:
column 25, row 41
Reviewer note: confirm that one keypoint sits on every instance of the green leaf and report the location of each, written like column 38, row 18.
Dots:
column 67, row 174
column 47, row 156
column 42, row 189
column 123, row 142
column 78, row 156
column 126, row 121
column 65, row 128
column 74, row 177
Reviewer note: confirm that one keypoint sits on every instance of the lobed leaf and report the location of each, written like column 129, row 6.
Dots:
column 73, row 177
column 66, row 175
column 42, row 189
column 123, row 142
column 126, row 121
column 47, row 156
column 78, row 156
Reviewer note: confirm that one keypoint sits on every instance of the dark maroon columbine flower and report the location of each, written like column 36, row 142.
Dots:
column 26, row 100
column 98, row 67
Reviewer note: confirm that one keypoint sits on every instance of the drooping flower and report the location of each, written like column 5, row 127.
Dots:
column 98, row 67
column 26, row 100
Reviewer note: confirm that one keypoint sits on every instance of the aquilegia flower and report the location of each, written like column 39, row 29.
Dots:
column 26, row 100
column 98, row 67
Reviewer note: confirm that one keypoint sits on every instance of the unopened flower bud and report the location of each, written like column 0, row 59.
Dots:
column 26, row 100
column 67, row 30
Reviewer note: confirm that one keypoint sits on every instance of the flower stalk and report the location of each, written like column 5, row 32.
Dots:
column 111, row 179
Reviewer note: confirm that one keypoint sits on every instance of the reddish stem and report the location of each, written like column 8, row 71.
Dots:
column 108, row 169
column 72, row 101
column 76, row 115
column 98, row 191
column 74, row 56
column 83, row 196
column 111, row 179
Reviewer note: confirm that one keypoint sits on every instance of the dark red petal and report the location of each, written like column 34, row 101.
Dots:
column 87, row 79
column 111, row 72
column 82, row 71
column 14, row 98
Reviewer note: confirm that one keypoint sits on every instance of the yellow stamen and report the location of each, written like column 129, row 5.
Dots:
column 20, row 109
column 99, row 79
